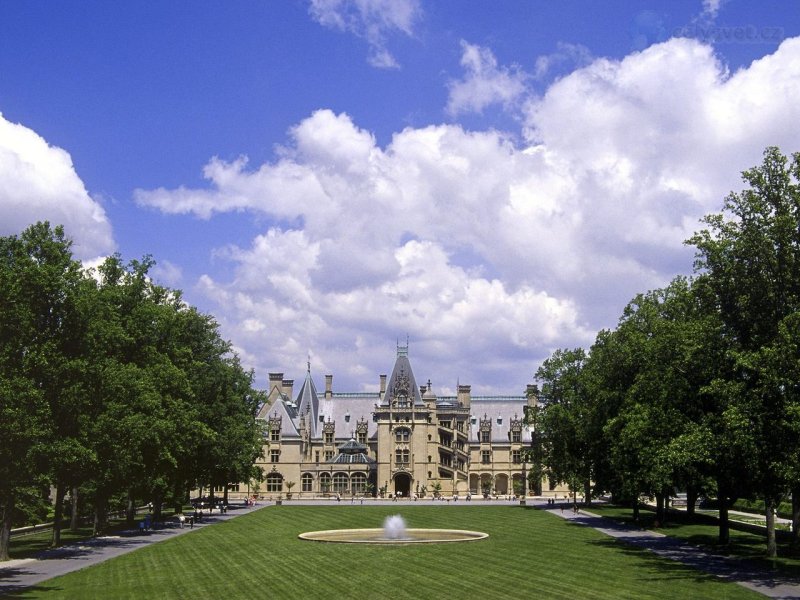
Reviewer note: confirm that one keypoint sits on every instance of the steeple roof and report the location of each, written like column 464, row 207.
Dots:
column 308, row 403
column 402, row 386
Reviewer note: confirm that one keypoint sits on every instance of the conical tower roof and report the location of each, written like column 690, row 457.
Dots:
column 402, row 386
column 308, row 403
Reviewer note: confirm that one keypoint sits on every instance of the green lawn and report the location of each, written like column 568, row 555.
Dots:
column 26, row 546
column 702, row 531
column 529, row 553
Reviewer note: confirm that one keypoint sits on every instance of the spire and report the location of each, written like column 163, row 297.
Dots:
column 402, row 350
column 308, row 401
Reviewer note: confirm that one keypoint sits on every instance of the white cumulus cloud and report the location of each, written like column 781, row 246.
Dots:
column 484, row 83
column 38, row 183
column 371, row 20
column 489, row 252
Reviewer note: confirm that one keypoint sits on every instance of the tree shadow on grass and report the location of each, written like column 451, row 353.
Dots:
column 671, row 558
column 25, row 591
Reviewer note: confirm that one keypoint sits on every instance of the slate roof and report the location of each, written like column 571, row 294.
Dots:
column 501, row 410
column 346, row 410
column 353, row 453
column 308, row 404
column 402, row 380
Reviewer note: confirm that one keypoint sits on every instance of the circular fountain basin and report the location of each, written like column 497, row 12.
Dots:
column 378, row 536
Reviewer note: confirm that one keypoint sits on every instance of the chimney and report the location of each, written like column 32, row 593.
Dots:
column 464, row 395
column 288, row 384
column 532, row 394
column 275, row 383
column 328, row 387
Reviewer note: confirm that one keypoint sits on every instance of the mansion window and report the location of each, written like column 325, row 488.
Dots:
column 307, row 482
column 516, row 436
column 328, row 437
column 401, row 456
column 444, row 424
column 362, row 437
column 275, row 435
column 515, row 457
column 233, row 487
column 486, row 436
column 328, row 454
column 219, row 488
column 402, row 435
column 359, row 483
column 340, row 483
column 274, row 456
column 486, row 457
column 325, row 482
column 274, row 482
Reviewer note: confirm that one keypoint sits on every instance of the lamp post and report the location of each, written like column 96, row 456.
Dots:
column 523, row 500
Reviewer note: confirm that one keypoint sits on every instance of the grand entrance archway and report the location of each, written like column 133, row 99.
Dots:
column 402, row 484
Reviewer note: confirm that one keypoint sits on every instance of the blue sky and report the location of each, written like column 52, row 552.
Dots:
column 494, row 180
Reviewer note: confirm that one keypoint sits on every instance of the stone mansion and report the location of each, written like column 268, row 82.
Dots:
column 402, row 439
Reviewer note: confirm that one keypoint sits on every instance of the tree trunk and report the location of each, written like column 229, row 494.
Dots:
column 73, row 522
column 100, row 515
column 58, row 515
column 225, row 496
column 691, row 500
column 587, row 492
column 772, row 545
column 659, row 510
column 158, row 499
column 724, row 525
column 636, row 510
column 178, row 497
column 130, row 511
column 5, row 528
column 796, row 517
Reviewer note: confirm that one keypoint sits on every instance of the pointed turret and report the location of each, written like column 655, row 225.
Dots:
column 402, row 387
column 308, row 403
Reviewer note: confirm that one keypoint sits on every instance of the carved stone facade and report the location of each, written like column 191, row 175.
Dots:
column 400, row 440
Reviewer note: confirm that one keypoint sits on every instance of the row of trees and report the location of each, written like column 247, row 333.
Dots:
column 112, row 388
column 698, row 387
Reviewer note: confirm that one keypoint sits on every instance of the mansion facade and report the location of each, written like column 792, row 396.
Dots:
column 401, row 440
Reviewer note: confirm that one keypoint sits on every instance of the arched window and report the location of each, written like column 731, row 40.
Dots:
column 325, row 482
column 359, row 483
column 340, row 483
column 307, row 482
column 274, row 482
column 402, row 435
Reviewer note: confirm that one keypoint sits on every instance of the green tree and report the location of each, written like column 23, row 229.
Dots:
column 563, row 419
column 750, row 254
column 39, row 356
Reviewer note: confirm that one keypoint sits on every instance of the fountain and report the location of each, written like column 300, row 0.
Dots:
column 394, row 531
column 394, row 528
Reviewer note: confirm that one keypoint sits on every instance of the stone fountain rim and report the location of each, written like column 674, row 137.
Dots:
column 317, row 536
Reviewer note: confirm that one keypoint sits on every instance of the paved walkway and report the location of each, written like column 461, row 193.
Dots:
column 22, row 573
column 732, row 569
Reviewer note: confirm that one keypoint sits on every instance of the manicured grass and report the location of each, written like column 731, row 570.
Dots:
column 703, row 531
column 529, row 553
column 27, row 546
